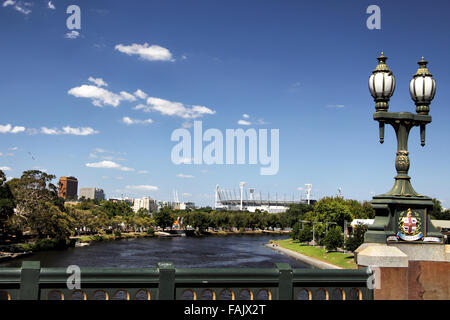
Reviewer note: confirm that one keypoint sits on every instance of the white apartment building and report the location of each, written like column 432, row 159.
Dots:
column 146, row 203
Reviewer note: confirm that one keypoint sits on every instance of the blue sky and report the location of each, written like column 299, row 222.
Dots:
column 297, row 66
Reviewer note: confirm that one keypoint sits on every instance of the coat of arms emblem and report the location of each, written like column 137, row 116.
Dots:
column 409, row 226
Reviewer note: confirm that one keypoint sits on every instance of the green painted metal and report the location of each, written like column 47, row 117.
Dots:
column 169, row 283
column 391, row 206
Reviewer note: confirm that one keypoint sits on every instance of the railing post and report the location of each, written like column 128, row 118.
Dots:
column 285, row 286
column 29, row 280
column 166, row 281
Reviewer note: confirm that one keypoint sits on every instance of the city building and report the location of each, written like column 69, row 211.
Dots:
column 68, row 188
column 92, row 193
column 129, row 201
column 147, row 203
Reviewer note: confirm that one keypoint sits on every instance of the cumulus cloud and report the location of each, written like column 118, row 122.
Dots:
column 140, row 94
column 99, row 96
column 8, row 3
column 129, row 121
column 244, row 122
column 10, row 129
column 5, row 168
column 245, row 116
column 98, row 82
column 178, row 109
column 50, row 5
column 83, row 131
column 127, row 96
column 72, row 34
column 146, row 52
column 107, row 164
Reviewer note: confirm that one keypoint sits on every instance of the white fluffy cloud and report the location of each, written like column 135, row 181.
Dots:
column 140, row 94
column 50, row 5
column 244, row 122
column 245, row 116
column 10, row 129
column 99, row 96
column 19, row 6
column 129, row 121
column 106, row 164
column 146, row 52
column 178, row 109
column 98, row 82
column 5, row 168
column 83, row 131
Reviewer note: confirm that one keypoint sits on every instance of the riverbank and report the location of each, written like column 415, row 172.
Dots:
column 314, row 256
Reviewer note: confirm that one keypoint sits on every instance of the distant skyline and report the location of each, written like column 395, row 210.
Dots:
column 100, row 103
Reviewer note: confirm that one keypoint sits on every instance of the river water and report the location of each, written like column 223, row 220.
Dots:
column 236, row 251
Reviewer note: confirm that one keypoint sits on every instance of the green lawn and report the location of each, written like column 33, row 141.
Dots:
column 337, row 258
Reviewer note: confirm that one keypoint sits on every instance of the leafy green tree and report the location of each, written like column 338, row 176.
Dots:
column 142, row 212
column 7, row 202
column 333, row 238
column 163, row 217
column 305, row 234
column 438, row 213
column 52, row 223
column 356, row 238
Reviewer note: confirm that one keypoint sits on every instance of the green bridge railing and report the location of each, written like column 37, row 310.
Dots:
column 31, row 282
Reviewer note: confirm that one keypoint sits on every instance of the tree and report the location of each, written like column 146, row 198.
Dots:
column 163, row 217
column 333, row 238
column 7, row 202
column 35, row 194
column 305, row 234
column 356, row 238
column 438, row 213
column 52, row 223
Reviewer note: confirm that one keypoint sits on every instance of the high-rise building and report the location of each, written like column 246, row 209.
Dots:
column 146, row 203
column 92, row 193
column 68, row 188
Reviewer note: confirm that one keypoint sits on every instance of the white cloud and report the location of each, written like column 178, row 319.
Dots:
column 185, row 176
column 244, row 122
column 143, row 171
column 8, row 3
column 142, row 187
column 178, row 109
column 50, row 5
column 143, row 107
column 13, row 148
column 98, row 81
column 140, row 94
column 146, row 52
column 245, row 116
column 127, row 96
column 83, row 131
column 99, row 96
column 106, row 164
column 72, row 34
column 5, row 168
column 129, row 121
column 10, row 129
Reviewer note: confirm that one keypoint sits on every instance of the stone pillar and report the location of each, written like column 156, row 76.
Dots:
column 406, row 271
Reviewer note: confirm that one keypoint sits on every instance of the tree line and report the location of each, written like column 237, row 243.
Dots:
column 30, row 207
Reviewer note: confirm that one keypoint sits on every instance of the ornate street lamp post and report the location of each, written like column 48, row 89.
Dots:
column 402, row 213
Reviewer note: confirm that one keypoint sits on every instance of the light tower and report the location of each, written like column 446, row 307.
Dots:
column 241, row 186
column 308, row 188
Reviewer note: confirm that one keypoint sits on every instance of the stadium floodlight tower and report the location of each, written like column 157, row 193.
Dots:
column 308, row 188
column 241, row 186
column 402, row 214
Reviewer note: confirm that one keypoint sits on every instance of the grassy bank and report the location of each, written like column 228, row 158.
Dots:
column 104, row 237
column 340, row 259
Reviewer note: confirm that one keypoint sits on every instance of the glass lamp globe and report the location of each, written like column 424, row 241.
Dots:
column 382, row 84
column 422, row 88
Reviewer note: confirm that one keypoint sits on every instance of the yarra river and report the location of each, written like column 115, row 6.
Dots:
column 237, row 251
